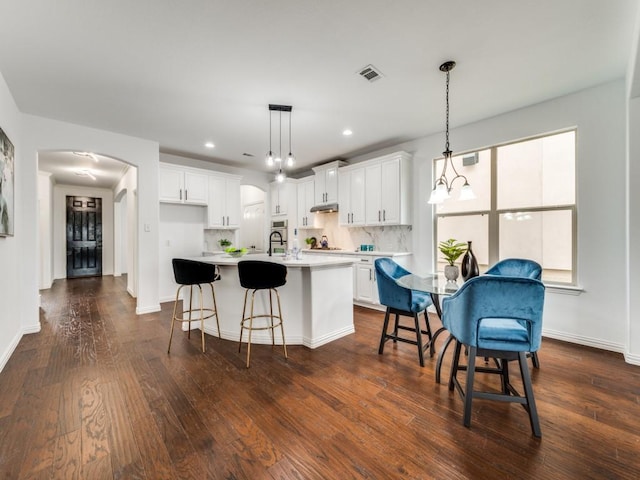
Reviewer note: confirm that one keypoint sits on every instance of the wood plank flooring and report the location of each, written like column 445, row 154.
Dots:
column 95, row 396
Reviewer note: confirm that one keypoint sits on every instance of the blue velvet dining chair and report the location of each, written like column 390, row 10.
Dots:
column 519, row 267
column 402, row 301
column 497, row 317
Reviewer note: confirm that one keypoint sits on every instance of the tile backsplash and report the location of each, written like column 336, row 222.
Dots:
column 386, row 238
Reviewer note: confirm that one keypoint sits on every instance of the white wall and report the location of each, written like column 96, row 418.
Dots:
column 181, row 236
column 598, row 315
column 60, row 193
column 633, row 200
column 44, row 134
column 127, row 190
column 13, row 278
column 45, row 202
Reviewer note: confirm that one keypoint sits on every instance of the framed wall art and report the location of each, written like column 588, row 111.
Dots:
column 6, row 185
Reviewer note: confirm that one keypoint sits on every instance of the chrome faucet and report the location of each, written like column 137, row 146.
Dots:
column 271, row 239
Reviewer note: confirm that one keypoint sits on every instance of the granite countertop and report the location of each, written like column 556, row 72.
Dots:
column 374, row 253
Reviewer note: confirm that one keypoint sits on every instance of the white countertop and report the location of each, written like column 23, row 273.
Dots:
column 308, row 261
column 375, row 253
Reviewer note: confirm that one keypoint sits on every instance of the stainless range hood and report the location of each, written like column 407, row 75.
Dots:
column 326, row 208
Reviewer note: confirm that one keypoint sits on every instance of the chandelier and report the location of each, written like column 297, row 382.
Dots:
column 442, row 186
column 273, row 159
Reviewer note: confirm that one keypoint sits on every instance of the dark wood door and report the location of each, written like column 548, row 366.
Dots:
column 84, row 237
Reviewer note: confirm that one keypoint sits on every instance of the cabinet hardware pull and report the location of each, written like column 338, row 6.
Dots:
column 180, row 194
column 227, row 221
column 370, row 275
column 378, row 215
column 384, row 215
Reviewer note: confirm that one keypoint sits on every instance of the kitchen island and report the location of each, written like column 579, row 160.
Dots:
column 317, row 300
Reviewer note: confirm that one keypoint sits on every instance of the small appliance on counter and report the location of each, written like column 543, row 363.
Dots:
column 324, row 242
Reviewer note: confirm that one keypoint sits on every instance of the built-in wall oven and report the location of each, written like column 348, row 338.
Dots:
column 278, row 233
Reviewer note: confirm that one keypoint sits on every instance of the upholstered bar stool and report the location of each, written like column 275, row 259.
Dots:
column 256, row 275
column 189, row 273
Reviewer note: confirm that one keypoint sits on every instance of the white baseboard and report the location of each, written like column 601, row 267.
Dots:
column 150, row 309
column 632, row 359
column 6, row 355
column 329, row 337
column 586, row 341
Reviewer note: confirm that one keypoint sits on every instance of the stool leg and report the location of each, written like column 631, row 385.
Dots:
column 253, row 296
column 190, row 309
column 201, row 317
column 173, row 318
column 215, row 308
column 273, row 340
column 284, row 343
column 244, row 311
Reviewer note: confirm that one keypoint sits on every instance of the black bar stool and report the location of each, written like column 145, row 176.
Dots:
column 190, row 273
column 257, row 275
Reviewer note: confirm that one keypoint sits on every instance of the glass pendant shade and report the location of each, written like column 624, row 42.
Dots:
column 290, row 160
column 269, row 159
column 466, row 193
column 280, row 176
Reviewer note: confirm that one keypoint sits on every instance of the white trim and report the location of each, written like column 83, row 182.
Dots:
column 151, row 309
column 31, row 329
column 586, row 341
column 330, row 337
column 565, row 289
column 632, row 359
column 9, row 351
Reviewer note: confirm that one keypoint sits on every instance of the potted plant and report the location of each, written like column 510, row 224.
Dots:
column 224, row 243
column 451, row 250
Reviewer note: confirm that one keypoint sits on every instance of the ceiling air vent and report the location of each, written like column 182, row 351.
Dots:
column 370, row 73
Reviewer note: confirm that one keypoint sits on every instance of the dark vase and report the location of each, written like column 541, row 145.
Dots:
column 469, row 264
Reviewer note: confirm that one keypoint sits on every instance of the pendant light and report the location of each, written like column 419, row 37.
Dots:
column 442, row 186
column 276, row 160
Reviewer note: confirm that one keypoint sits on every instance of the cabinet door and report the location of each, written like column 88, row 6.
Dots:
column 305, row 201
column 320, row 185
column 344, row 199
column 195, row 188
column 216, row 210
column 232, row 202
column 331, row 184
column 364, row 282
column 357, row 200
column 301, row 217
column 390, row 192
column 374, row 185
column 171, row 184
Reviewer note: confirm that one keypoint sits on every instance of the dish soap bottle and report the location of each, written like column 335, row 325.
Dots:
column 296, row 253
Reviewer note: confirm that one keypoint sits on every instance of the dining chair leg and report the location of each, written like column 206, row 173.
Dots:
column 383, row 337
column 454, row 366
column 535, row 360
column 395, row 329
column 416, row 320
column 528, row 393
column 429, row 334
column 468, row 394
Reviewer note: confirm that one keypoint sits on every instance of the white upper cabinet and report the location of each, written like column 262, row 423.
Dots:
column 326, row 182
column 224, row 201
column 282, row 194
column 306, row 200
column 351, row 196
column 388, row 190
column 182, row 185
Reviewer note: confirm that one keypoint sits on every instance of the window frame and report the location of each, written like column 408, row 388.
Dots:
column 494, row 213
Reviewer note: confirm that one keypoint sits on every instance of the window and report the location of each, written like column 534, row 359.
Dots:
column 525, row 205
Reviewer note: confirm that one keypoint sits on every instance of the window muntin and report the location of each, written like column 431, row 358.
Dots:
column 531, row 212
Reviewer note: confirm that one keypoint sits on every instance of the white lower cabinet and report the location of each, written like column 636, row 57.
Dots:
column 366, row 288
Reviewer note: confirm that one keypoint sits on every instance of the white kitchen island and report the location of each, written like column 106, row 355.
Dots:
column 317, row 300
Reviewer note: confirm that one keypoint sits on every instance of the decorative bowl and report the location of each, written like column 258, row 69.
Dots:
column 236, row 252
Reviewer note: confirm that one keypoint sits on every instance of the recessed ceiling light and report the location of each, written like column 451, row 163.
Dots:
column 209, row 145
column 347, row 132
column 87, row 154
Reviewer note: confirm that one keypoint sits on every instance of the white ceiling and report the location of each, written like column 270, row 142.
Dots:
column 182, row 73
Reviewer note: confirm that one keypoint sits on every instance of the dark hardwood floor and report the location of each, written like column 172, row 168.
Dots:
column 94, row 395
